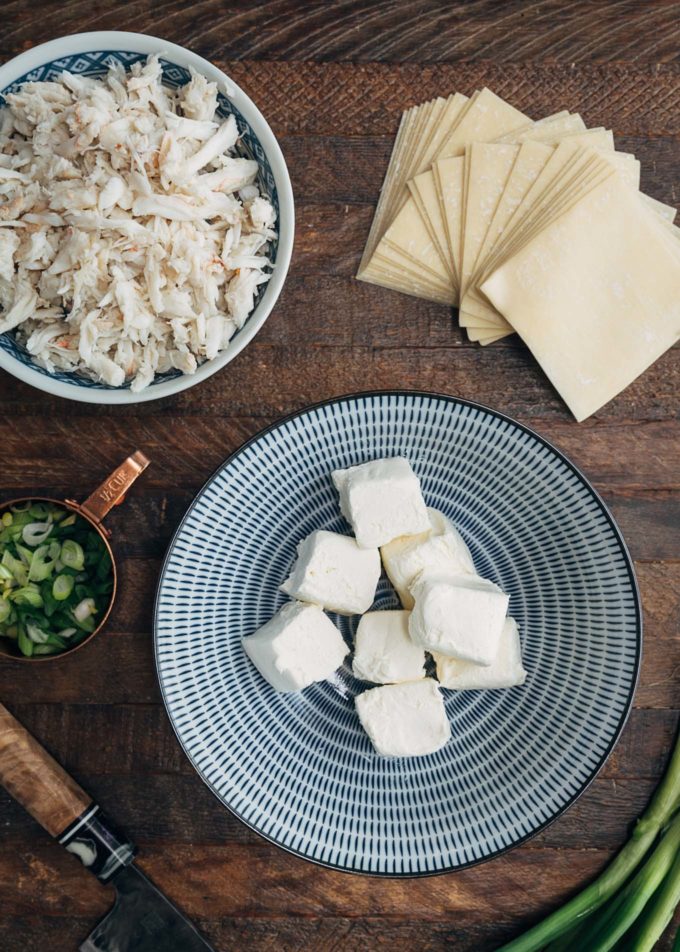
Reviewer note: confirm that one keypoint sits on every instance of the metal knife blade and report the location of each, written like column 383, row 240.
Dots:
column 143, row 920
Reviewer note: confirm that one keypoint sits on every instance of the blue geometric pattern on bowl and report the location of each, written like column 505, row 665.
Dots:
column 97, row 64
column 298, row 768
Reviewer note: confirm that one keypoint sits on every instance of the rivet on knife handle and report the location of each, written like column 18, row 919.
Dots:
column 56, row 801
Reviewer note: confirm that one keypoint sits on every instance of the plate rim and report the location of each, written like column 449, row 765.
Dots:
column 630, row 569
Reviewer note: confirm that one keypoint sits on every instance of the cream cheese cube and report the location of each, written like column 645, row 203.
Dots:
column 384, row 652
column 460, row 617
column 441, row 550
column 405, row 720
column 505, row 671
column 300, row 645
column 381, row 500
column 333, row 572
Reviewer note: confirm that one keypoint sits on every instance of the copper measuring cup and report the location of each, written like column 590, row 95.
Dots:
column 111, row 493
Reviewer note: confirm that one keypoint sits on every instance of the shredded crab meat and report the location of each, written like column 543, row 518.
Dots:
column 133, row 241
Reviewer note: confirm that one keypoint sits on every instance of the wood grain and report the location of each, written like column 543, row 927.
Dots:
column 234, row 934
column 216, row 884
column 220, row 882
column 36, row 780
column 277, row 379
column 332, row 78
column 424, row 31
column 187, row 448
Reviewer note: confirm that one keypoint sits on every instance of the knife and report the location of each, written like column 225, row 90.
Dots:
column 142, row 919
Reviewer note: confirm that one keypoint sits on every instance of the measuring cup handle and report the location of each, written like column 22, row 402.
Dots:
column 112, row 490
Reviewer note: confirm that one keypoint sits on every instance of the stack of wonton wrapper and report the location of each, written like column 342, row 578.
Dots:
column 534, row 227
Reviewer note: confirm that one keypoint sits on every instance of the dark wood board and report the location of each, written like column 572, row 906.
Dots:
column 332, row 78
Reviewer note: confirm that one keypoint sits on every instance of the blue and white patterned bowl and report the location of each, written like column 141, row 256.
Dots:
column 298, row 768
column 91, row 54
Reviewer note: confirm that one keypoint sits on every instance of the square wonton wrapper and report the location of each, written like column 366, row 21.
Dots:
column 550, row 129
column 594, row 295
column 476, row 314
column 532, row 159
column 489, row 167
column 485, row 116
column 537, row 216
column 411, row 122
column 408, row 232
column 559, row 191
column 421, row 131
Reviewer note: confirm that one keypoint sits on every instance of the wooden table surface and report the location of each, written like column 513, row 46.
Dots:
column 332, row 79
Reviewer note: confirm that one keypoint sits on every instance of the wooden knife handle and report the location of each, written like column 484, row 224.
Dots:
column 36, row 780
column 56, row 801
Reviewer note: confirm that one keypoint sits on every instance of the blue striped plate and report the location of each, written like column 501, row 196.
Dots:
column 298, row 768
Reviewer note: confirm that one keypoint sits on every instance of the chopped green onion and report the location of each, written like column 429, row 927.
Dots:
column 56, row 642
column 104, row 568
column 62, row 587
column 56, row 578
column 35, row 533
column 72, row 555
column 25, row 644
column 63, row 618
column 21, row 519
column 84, row 609
column 25, row 554
column 37, row 635
column 41, row 567
column 28, row 595
column 16, row 567
column 88, row 624
column 50, row 603
column 67, row 633
column 33, row 616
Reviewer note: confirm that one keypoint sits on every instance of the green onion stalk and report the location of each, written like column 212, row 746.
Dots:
column 569, row 917
column 658, row 912
column 617, row 917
